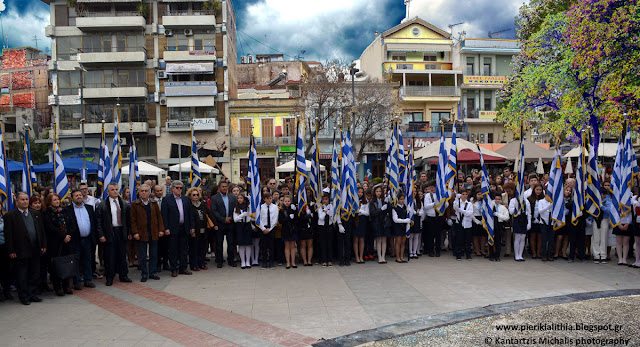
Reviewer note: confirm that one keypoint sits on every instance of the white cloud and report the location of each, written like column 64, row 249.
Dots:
column 20, row 29
column 2, row 6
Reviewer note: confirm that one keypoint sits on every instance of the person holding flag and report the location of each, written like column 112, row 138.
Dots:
column 255, row 199
column 116, row 166
column 28, row 175
column 194, row 175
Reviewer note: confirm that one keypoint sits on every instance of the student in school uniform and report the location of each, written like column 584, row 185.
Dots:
column 432, row 223
column 477, row 230
column 500, row 216
column 401, row 223
column 540, row 207
column 463, row 224
column 377, row 217
column 307, row 230
column 635, row 227
column 416, row 230
column 325, row 231
column 268, row 221
column 288, row 220
column 521, row 225
column 244, row 231
column 562, row 234
column 362, row 224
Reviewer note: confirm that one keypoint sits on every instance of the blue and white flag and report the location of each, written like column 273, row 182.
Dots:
column 301, row 171
column 486, row 204
column 411, row 202
column 616, row 183
column 315, row 177
column 555, row 192
column 626, row 175
column 61, row 184
column 105, row 161
column 579, row 189
column 520, row 176
column 393, row 168
column 253, row 175
column 116, row 157
column 441, row 188
column 349, row 190
column 402, row 163
column 452, row 170
column 6, row 198
column 592, row 199
column 134, row 174
column 194, row 175
column 28, row 175
column 336, row 195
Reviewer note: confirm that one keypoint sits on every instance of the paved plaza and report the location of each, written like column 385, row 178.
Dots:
column 294, row 307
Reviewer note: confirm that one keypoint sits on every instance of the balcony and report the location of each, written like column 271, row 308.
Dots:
column 204, row 88
column 130, row 55
column 72, row 127
column 429, row 93
column 113, row 91
column 263, row 142
column 418, row 67
column 190, row 54
column 424, row 129
column 192, row 19
column 107, row 21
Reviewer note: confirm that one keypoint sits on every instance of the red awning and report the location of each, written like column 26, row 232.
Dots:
column 467, row 156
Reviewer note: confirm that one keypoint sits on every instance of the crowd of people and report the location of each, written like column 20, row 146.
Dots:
column 180, row 232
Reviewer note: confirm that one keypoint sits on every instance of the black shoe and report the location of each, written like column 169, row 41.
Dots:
column 458, row 258
column 8, row 296
column 89, row 285
column 143, row 279
column 125, row 279
column 154, row 277
column 25, row 301
column 35, row 299
column 109, row 282
column 468, row 257
column 219, row 266
column 347, row 263
column 233, row 265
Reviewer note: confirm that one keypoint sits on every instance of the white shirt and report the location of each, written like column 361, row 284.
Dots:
column 542, row 211
column 114, row 212
column 464, row 212
column 527, row 193
column 273, row 211
column 394, row 216
column 91, row 201
column 513, row 205
column 323, row 211
column 502, row 213
column 241, row 217
column 477, row 214
column 364, row 209
column 429, row 205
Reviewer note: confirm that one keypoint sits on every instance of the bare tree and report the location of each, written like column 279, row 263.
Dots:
column 375, row 104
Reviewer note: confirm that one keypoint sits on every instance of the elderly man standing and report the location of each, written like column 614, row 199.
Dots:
column 222, row 206
column 178, row 225
column 83, row 226
column 112, row 226
column 146, row 227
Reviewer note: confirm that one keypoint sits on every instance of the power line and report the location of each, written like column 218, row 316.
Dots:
column 248, row 45
column 264, row 44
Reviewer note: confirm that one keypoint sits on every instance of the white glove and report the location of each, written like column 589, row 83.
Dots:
column 308, row 212
column 528, row 226
column 406, row 220
column 244, row 214
column 449, row 222
column 291, row 216
column 384, row 207
column 293, row 206
column 340, row 228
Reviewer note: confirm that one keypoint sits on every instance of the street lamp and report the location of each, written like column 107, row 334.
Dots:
column 83, row 175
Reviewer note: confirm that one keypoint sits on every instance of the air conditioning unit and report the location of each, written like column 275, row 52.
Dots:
column 163, row 101
column 473, row 137
column 188, row 32
column 123, row 141
column 483, row 138
column 242, row 60
column 168, row 32
column 162, row 75
column 250, row 59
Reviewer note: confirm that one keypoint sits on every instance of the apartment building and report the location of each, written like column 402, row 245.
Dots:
column 24, row 88
column 159, row 64
column 486, row 66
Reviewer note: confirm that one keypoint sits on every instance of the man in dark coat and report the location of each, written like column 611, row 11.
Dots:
column 179, row 226
column 222, row 206
column 82, row 227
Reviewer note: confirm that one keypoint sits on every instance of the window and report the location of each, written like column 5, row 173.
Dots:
column 490, row 138
column 206, row 112
column 415, row 31
column 97, row 43
column 67, row 47
column 399, row 56
column 288, row 127
column 204, row 42
column 470, row 67
column 68, row 82
column 487, row 101
column 70, row 116
column 178, row 9
column 413, row 117
column 180, row 113
column 266, row 167
column 437, row 116
column 178, row 42
column 246, row 127
column 430, row 57
column 129, row 43
column 486, row 67
column 98, row 79
column 471, row 106
column 267, row 127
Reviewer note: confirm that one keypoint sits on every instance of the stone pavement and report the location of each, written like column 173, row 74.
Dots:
column 294, row 307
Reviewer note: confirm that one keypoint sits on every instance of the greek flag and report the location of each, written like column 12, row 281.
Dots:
column 194, row 176
column 28, row 175
column 6, row 198
column 105, row 162
column 61, row 185
column 578, row 191
column 441, row 188
column 101, row 165
column 350, row 166
column 411, row 204
column 486, row 204
column 253, row 175
column 301, row 171
column 451, row 170
column 627, row 175
column 134, row 175
column 116, row 156
column 315, row 178
column 402, row 162
column 616, row 183
column 555, row 192
column 335, row 179
column 519, row 169
column 592, row 199
column 393, row 167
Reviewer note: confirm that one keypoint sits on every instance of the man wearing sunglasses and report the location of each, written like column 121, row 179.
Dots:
column 178, row 224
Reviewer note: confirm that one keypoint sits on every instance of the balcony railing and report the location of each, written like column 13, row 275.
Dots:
column 191, row 13
column 109, row 14
column 110, row 50
column 426, row 127
column 429, row 91
column 410, row 65
column 264, row 141
column 116, row 85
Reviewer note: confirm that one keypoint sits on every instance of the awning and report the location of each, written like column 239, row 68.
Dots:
column 144, row 168
column 71, row 165
column 290, row 166
column 186, row 167
column 189, row 68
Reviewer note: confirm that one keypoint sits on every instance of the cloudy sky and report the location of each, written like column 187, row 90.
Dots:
column 323, row 29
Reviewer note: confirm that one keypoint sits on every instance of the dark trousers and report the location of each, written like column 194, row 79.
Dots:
column 462, row 241
column 5, row 268
column 345, row 242
column 266, row 246
column 278, row 250
column 150, row 268
column 548, row 236
column 325, row 236
column 115, row 256
column 163, row 252
column 369, row 239
column 576, row 240
column 27, row 272
column 225, row 230
column 197, row 249
column 84, row 264
column 178, row 249
column 497, row 242
column 432, row 235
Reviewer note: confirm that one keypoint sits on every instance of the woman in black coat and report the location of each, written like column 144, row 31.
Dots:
column 59, row 240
